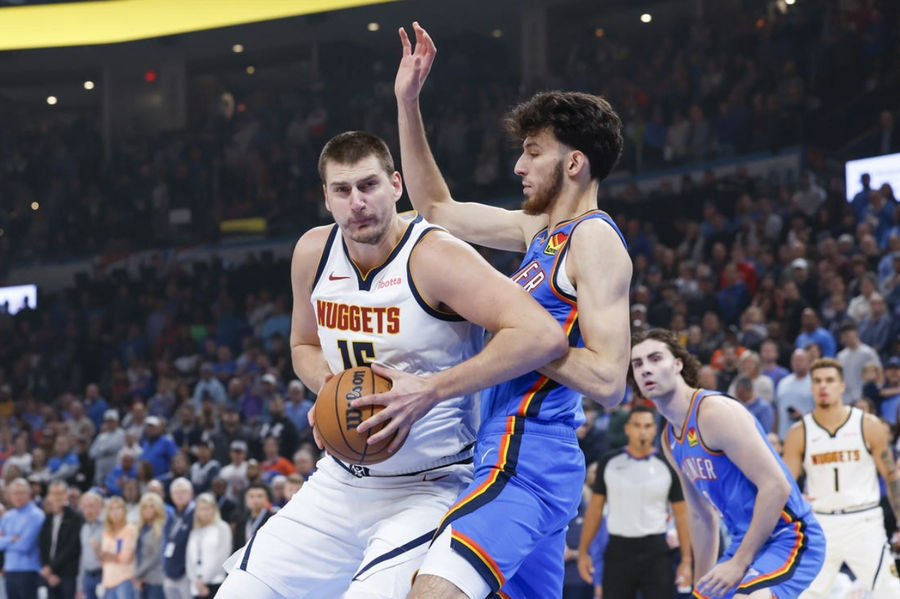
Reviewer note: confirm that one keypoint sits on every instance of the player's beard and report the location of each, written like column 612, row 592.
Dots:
column 543, row 196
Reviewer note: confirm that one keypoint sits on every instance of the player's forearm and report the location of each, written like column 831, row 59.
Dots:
column 682, row 527
column 770, row 501
column 595, row 377
column 705, row 542
column 309, row 365
column 592, row 519
column 510, row 353
column 424, row 183
column 893, row 495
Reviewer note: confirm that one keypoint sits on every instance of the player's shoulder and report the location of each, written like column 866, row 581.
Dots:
column 315, row 239
column 720, row 409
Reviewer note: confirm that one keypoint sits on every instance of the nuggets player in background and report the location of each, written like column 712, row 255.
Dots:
column 506, row 533
column 378, row 287
column 729, row 472
column 842, row 451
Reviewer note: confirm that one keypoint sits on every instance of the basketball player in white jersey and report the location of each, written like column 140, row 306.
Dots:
column 378, row 287
column 842, row 451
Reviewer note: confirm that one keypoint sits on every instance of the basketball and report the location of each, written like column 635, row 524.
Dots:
column 336, row 420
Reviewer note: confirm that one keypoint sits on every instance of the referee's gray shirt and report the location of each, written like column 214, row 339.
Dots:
column 637, row 492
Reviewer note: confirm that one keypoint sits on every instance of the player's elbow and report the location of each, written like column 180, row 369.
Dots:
column 607, row 388
column 557, row 344
column 778, row 488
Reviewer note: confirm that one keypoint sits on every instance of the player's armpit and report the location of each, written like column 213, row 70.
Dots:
column 600, row 268
column 306, row 354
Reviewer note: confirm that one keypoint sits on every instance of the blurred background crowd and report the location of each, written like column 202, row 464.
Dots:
column 171, row 386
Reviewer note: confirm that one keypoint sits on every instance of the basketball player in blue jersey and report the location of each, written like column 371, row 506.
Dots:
column 379, row 287
column 505, row 535
column 730, row 472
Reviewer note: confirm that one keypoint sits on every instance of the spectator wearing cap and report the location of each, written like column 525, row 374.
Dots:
column 890, row 391
column 106, row 446
column 875, row 329
column 126, row 469
column 793, row 394
column 280, row 427
column 208, row 384
column 811, row 331
column 157, row 446
column 19, row 530
column 297, row 407
column 205, row 469
column 235, row 472
column 853, row 358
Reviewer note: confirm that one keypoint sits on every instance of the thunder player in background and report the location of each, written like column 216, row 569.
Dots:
column 728, row 471
column 507, row 530
column 842, row 451
column 376, row 287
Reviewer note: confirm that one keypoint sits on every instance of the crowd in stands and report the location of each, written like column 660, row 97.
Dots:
column 174, row 391
column 737, row 81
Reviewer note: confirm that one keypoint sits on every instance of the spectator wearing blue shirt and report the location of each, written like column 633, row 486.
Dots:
column 890, row 391
column 208, row 385
column 94, row 404
column 157, row 447
column 811, row 331
column 761, row 410
column 297, row 407
column 19, row 530
column 860, row 201
column 769, row 366
column 875, row 329
column 64, row 463
column 126, row 469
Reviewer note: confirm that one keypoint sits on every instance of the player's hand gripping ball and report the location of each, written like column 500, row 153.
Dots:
column 336, row 420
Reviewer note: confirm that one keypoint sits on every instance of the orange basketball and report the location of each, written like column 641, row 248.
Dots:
column 336, row 420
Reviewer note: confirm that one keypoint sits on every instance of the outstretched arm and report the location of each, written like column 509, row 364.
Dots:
column 600, row 268
column 730, row 428
column 477, row 223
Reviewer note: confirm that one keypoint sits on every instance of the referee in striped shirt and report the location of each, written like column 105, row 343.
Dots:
column 637, row 486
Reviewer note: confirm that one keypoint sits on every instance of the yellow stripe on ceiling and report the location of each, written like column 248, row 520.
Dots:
column 88, row 23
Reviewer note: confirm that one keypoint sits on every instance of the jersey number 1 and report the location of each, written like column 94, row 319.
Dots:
column 363, row 353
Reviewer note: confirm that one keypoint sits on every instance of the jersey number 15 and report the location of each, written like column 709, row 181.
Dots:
column 363, row 353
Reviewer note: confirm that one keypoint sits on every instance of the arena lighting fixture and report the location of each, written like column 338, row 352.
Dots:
column 373, row 26
column 646, row 17
column 599, row 32
column 790, row 2
column 35, row 205
column 86, row 23
column 51, row 100
column 251, row 69
column 88, row 85
column 237, row 48
column 497, row 33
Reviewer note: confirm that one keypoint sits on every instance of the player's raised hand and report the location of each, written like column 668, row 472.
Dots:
column 409, row 398
column 415, row 64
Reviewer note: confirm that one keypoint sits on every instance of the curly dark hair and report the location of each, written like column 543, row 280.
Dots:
column 582, row 121
column 690, row 364
column 350, row 147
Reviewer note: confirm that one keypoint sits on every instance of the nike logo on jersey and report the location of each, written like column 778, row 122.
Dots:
column 484, row 455
column 331, row 277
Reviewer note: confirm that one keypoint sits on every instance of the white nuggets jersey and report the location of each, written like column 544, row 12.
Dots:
column 380, row 317
column 840, row 472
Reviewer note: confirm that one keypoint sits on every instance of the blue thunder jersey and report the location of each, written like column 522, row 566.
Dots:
column 723, row 484
column 543, row 275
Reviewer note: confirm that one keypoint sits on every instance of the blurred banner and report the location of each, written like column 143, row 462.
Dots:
column 88, row 23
